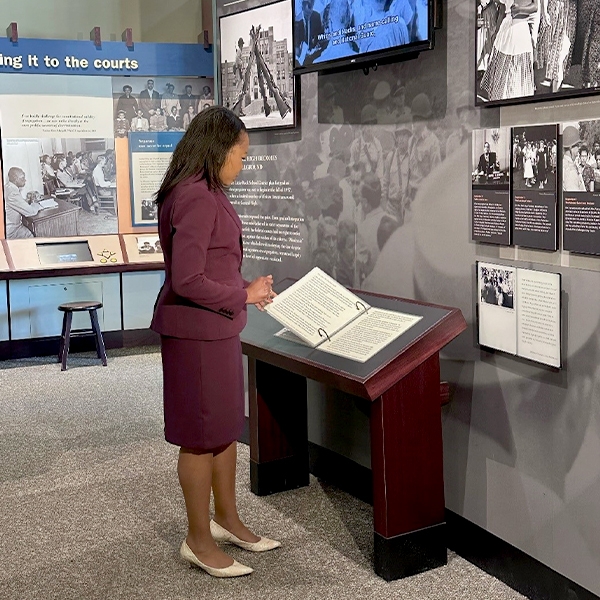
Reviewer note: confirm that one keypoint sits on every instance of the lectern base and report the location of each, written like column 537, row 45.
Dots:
column 411, row 553
column 278, row 475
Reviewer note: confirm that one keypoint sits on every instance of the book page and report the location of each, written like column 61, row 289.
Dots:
column 538, row 316
column 368, row 334
column 497, row 315
column 315, row 307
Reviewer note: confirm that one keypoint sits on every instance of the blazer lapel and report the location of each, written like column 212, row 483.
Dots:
column 229, row 208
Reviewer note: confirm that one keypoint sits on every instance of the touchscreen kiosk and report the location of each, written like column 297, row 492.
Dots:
column 51, row 253
column 60, row 253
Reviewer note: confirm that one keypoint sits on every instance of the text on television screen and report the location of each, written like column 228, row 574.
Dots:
column 345, row 29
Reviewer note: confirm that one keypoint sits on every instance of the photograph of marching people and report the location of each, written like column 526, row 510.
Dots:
column 68, row 181
column 490, row 187
column 159, row 103
column 534, row 176
column 256, row 59
column 329, row 31
column 581, row 186
column 531, row 49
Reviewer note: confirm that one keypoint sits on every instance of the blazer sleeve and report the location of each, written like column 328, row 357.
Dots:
column 193, row 221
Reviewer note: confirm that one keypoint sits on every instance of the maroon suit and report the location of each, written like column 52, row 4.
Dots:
column 199, row 313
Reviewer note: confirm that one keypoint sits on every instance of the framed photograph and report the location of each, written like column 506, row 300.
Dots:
column 536, row 50
column 256, row 59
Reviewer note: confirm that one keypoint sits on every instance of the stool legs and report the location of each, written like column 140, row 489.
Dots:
column 65, row 340
column 100, row 350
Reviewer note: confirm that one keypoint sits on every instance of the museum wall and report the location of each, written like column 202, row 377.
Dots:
column 521, row 441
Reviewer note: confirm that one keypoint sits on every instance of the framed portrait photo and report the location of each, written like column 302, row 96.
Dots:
column 256, row 61
column 528, row 50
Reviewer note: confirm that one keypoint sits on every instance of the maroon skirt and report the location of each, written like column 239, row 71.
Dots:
column 203, row 392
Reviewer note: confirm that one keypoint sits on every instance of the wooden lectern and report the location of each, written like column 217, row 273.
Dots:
column 403, row 384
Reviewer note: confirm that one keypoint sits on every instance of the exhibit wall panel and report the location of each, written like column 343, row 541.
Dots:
column 34, row 304
column 521, row 441
column 139, row 295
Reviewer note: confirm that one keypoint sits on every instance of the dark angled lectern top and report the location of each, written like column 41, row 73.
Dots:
column 438, row 326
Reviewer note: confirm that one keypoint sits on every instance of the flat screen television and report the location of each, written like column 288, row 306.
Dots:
column 51, row 253
column 342, row 33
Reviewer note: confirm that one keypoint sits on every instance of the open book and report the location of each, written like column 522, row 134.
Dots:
column 319, row 312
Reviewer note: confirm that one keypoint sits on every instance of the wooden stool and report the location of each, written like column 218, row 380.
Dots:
column 69, row 308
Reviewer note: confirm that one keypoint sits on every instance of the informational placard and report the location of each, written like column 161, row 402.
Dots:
column 490, row 206
column 150, row 157
column 534, row 195
column 581, row 186
column 520, row 312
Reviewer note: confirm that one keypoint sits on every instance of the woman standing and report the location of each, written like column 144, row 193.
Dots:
column 542, row 165
column 510, row 70
column 200, row 311
column 528, row 173
column 588, row 25
column 555, row 40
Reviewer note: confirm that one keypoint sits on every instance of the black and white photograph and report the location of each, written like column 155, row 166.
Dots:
column 256, row 58
column 536, row 49
column 581, row 156
column 491, row 156
column 148, row 244
column 58, row 187
column 534, row 157
column 386, row 96
column 496, row 286
column 159, row 103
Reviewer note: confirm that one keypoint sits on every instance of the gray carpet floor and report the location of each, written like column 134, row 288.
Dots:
column 90, row 506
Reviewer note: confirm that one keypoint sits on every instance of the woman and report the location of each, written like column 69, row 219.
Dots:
column 199, row 313
column 510, row 70
column 528, row 165
column 78, row 188
column 542, row 165
column 555, row 40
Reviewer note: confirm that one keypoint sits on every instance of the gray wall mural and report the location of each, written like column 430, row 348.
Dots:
column 521, row 442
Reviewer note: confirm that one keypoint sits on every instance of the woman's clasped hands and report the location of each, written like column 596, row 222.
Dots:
column 260, row 292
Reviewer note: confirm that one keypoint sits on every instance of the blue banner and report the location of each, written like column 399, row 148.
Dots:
column 72, row 57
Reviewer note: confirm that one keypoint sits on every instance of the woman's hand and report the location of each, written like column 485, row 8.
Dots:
column 260, row 293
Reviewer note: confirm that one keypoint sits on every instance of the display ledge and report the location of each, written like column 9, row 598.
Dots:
column 91, row 270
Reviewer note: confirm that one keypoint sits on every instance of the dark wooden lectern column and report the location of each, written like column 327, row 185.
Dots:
column 403, row 384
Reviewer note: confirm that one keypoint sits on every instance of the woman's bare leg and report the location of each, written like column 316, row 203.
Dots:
column 195, row 474
column 223, row 485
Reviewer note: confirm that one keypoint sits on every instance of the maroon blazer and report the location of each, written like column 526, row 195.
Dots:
column 203, row 296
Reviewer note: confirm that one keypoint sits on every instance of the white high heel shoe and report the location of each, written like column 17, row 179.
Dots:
column 220, row 534
column 234, row 570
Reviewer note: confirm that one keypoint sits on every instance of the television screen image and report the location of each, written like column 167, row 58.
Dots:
column 341, row 32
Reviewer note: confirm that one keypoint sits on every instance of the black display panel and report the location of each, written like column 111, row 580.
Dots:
column 343, row 33
column 51, row 253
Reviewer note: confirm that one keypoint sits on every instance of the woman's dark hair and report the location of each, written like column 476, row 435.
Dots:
column 203, row 149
